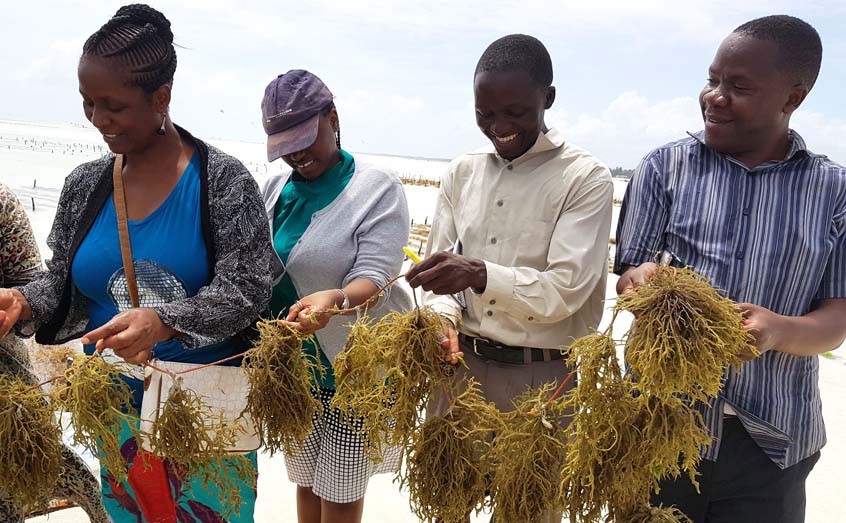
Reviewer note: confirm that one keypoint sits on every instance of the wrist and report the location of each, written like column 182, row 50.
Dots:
column 165, row 332
column 782, row 339
column 344, row 302
column 480, row 276
column 26, row 309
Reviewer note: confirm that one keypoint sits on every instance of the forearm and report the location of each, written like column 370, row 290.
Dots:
column 819, row 331
column 358, row 291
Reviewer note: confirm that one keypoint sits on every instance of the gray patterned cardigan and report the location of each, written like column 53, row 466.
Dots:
column 237, row 239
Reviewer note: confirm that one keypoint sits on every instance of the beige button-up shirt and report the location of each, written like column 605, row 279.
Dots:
column 541, row 224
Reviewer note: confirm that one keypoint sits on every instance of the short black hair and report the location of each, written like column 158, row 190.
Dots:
column 140, row 39
column 798, row 42
column 518, row 52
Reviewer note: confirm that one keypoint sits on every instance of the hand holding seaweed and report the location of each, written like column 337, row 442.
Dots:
column 684, row 336
column 313, row 312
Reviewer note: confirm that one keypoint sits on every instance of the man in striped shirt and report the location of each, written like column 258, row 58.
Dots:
column 746, row 204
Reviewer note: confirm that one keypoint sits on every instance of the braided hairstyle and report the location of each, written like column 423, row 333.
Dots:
column 139, row 38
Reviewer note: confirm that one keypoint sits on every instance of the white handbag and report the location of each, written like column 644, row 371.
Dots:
column 222, row 389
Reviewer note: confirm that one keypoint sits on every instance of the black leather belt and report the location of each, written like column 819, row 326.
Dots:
column 492, row 350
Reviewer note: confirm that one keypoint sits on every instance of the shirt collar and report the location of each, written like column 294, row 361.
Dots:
column 552, row 139
column 796, row 144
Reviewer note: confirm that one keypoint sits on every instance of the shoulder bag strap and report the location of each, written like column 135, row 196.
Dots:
column 123, row 231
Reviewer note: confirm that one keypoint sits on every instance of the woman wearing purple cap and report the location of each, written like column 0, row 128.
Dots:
column 199, row 249
column 338, row 229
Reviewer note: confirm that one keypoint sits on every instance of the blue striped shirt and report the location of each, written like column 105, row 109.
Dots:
column 775, row 236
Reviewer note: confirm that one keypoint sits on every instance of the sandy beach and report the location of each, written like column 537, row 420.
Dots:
column 35, row 158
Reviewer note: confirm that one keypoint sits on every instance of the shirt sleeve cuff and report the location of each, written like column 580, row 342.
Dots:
column 500, row 284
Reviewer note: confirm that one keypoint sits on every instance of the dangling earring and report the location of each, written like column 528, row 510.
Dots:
column 338, row 138
column 161, row 130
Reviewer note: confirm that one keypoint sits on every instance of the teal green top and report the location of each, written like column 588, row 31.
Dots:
column 299, row 200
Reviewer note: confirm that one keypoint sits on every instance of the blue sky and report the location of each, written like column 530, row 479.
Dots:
column 627, row 72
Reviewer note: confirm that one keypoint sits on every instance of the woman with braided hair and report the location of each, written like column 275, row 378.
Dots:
column 200, row 250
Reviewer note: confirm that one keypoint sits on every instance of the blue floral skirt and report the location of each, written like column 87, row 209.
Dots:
column 155, row 493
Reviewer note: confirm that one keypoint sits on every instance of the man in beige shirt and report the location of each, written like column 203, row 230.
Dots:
column 523, row 228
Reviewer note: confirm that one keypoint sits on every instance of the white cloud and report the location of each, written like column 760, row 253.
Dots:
column 377, row 121
column 56, row 62
column 402, row 70
column 629, row 127
column 823, row 135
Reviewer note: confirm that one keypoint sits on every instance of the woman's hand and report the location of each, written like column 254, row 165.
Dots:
column 131, row 334
column 311, row 313
column 13, row 307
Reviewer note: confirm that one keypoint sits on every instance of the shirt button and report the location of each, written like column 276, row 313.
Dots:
column 499, row 203
column 493, row 240
column 510, row 167
column 492, row 302
column 739, row 255
column 531, row 318
column 490, row 313
column 746, row 211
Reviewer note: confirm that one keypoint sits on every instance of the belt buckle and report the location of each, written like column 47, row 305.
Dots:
column 475, row 340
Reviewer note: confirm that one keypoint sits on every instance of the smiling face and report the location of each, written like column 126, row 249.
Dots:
column 748, row 99
column 125, row 115
column 313, row 161
column 510, row 107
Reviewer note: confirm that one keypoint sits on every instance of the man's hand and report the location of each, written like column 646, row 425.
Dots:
column 131, row 334
column 448, row 273
column 311, row 313
column 765, row 325
column 634, row 277
column 449, row 341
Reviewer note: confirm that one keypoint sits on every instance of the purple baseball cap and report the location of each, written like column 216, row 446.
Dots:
column 290, row 111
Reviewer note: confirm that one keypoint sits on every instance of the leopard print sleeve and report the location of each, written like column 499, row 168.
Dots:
column 19, row 258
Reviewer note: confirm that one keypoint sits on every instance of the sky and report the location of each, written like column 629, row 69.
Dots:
column 627, row 73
